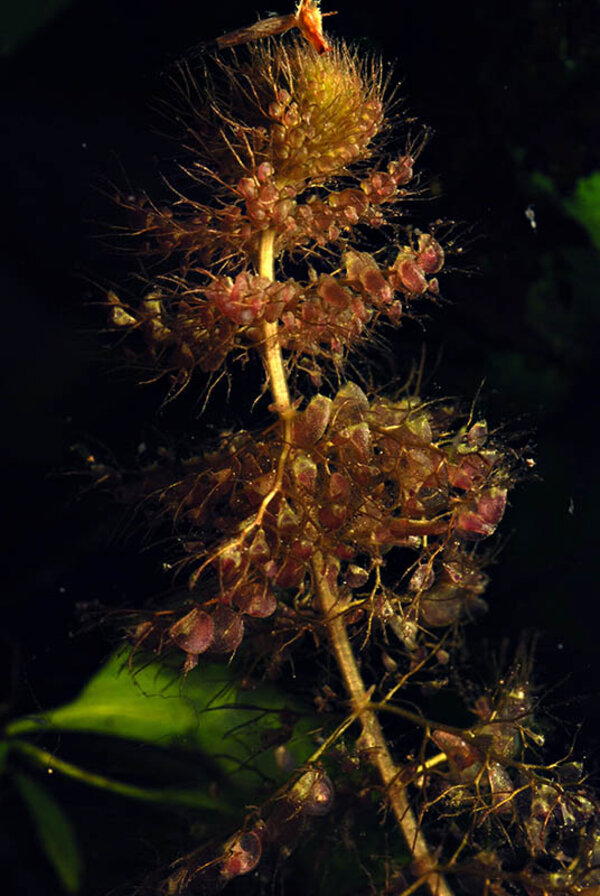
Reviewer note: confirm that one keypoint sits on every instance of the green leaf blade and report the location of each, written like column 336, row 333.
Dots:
column 55, row 831
column 206, row 712
column 584, row 205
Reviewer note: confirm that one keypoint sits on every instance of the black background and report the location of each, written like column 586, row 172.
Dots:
column 509, row 92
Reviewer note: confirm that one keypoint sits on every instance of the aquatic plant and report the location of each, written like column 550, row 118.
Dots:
column 345, row 530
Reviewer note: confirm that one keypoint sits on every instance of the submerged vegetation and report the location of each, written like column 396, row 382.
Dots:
column 331, row 558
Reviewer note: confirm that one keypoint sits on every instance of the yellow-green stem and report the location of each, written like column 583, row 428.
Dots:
column 373, row 738
column 272, row 357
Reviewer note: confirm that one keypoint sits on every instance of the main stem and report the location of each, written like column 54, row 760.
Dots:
column 271, row 346
column 373, row 738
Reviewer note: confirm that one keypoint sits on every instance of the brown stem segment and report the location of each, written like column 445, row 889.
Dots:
column 373, row 737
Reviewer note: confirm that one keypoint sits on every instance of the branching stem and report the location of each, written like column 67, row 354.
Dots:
column 373, row 738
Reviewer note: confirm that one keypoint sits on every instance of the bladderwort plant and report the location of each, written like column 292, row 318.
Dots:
column 351, row 527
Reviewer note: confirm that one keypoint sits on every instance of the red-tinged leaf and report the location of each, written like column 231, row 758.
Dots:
column 228, row 630
column 194, row 632
column 310, row 424
column 334, row 294
column 339, row 487
column 410, row 276
column 464, row 759
column 356, row 576
column 304, row 471
column 256, row 600
column 243, row 854
column 359, row 440
column 332, row 516
column 471, row 472
column 430, row 255
column 349, row 405
column 483, row 520
column 501, row 786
